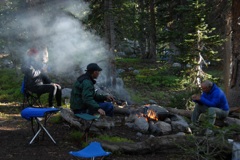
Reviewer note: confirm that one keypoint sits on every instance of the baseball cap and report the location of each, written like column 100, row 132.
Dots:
column 93, row 67
column 32, row 52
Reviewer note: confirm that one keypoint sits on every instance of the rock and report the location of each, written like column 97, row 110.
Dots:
column 66, row 92
column 176, row 65
column 141, row 124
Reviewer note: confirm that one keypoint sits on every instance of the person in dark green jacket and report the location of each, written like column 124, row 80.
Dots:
column 84, row 99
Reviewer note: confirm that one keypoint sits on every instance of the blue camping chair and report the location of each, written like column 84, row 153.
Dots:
column 34, row 114
column 29, row 98
column 93, row 150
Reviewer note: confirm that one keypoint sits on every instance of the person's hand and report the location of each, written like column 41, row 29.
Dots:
column 102, row 112
column 45, row 68
column 110, row 98
column 56, row 85
column 196, row 97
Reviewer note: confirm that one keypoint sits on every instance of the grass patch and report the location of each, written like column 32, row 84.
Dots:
column 114, row 139
column 136, row 96
column 75, row 135
column 3, row 115
column 153, row 81
column 56, row 118
column 10, row 85
column 128, row 62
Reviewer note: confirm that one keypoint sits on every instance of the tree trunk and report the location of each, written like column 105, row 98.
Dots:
column 227, row 54
column 234, row 92
column 142, row 41
column 181, row 112
column 152, row 30
column 110, row 40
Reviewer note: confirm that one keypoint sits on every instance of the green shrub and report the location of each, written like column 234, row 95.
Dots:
column 10, row 85
column 180, row 100
column 158, row 80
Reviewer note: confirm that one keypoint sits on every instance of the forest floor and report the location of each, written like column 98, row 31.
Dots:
column 16, row 133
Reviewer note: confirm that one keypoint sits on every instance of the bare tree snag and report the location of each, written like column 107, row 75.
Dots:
column 233, row 97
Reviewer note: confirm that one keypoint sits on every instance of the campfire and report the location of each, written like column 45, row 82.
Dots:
column 149, row 114
column 152, row 115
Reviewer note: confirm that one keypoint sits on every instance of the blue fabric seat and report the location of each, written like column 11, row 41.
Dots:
column 93, row 150
column 34, row 113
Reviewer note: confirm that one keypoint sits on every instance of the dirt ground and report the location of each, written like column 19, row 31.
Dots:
column 16, row 133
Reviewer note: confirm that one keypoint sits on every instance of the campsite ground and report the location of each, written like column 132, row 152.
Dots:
column 15, row 134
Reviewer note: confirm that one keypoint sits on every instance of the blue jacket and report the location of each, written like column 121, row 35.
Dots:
column 215, row 98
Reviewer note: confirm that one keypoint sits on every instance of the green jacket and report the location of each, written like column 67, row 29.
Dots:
column 83, row 95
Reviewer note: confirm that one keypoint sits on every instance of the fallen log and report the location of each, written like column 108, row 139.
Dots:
column 181, row 112
column 122, row 110
column 150, row 145
column 232, row 121
column 68, row 116
column 163, row 144
column 226, row 121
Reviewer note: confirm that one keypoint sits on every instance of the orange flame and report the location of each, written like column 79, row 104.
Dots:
column 152, row 115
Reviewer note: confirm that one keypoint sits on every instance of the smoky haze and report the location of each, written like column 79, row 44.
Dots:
column 57, row 26
column 68, row 43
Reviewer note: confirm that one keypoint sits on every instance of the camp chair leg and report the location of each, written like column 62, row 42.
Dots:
column 41, row 127
column 35, row 135
column 85, row 135
column 86, row 118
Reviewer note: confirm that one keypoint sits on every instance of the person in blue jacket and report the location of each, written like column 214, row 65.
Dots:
column 212, row 101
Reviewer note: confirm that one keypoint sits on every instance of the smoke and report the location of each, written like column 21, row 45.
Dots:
column 58, row 27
